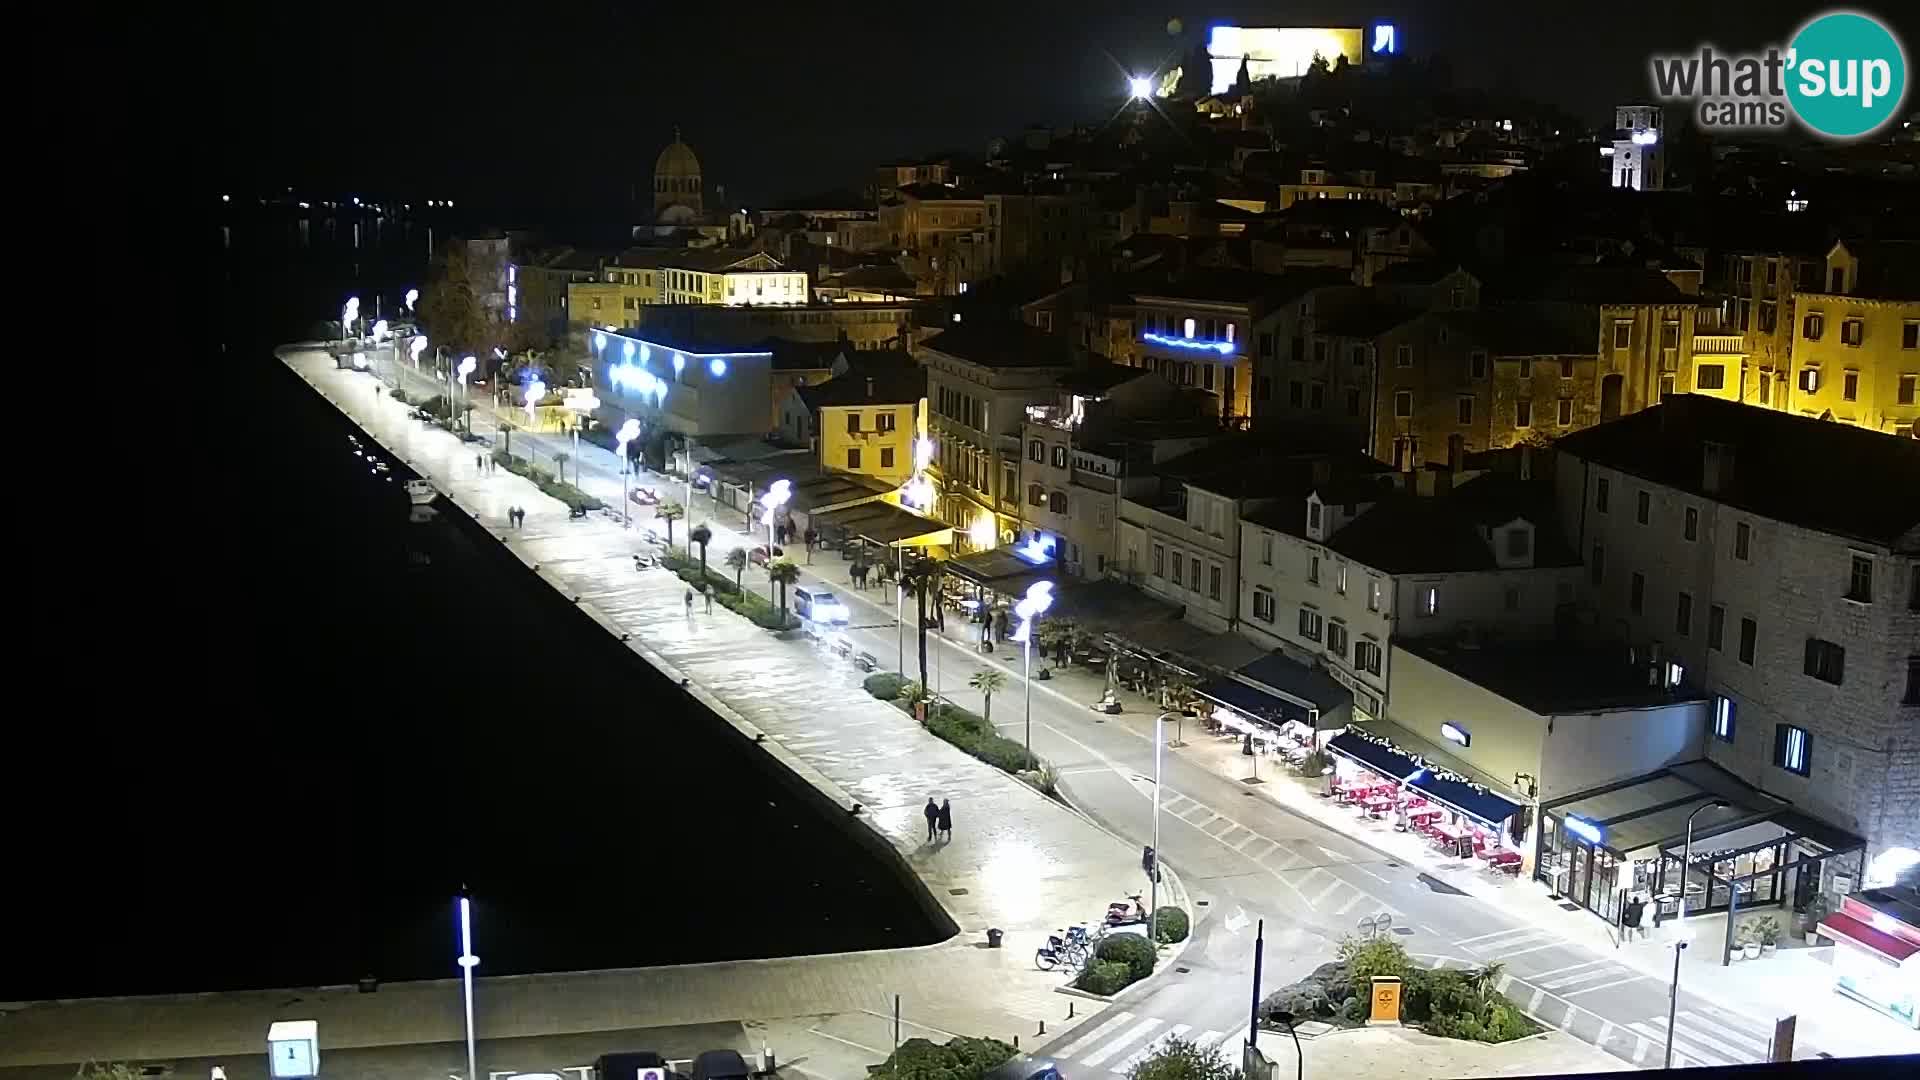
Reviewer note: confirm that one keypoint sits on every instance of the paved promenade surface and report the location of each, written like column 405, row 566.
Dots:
column 1017, row 860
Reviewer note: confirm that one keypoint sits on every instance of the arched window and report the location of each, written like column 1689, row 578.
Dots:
column 1036, row 495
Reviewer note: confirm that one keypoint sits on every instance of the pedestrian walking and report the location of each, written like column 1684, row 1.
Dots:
column 689, row 602
column 707, row 591
column 946, row 819
column 478, row 464
column 933, row 818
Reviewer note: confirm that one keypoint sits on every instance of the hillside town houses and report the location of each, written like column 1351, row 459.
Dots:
column 1568, row 478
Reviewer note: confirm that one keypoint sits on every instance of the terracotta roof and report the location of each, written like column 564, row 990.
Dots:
column 1000, row 344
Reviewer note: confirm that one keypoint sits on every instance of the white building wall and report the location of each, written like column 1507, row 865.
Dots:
column 1479, row 599
column 1865, row 760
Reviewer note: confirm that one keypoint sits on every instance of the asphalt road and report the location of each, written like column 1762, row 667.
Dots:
column 1245, row 859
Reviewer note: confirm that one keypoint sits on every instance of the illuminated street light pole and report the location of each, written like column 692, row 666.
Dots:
column 776, row 497
column 1153, row 882
column 468, row 962
column 1140, row 87
column 628, row 432
column 348, row 314
column 412, row 295
column 1038, row 599
column 467, row 364
column 1680, row 945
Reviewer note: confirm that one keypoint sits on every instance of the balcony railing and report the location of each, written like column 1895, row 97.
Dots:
column 1719, row 344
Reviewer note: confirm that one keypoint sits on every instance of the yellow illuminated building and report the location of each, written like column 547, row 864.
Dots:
column 1278, row 52
column 868, row 420
column 1856, row 347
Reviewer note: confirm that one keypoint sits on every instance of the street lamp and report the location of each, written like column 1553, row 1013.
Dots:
column 1680, row 945
column 1299, row 1058
column 535, row 391
column 467, row 364
column 348, row 314
column 628, row 432
column 412, row 295
column 1035, row 603
column 468, row 962
column 1140, row 87
column 418, row 346
column 776, row 496
column 1153, row 882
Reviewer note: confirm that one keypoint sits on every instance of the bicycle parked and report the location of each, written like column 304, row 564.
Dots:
column 1072, row 947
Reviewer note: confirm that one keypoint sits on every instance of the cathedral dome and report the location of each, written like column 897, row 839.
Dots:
column 677, row 160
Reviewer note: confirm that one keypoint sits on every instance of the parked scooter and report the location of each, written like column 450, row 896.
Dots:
column 1120, row 913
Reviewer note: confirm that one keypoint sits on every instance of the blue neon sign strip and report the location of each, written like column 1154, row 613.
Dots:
column 1585, row 830
column 1224, row 348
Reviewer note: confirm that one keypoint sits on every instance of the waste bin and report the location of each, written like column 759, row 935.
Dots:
column 993, row 938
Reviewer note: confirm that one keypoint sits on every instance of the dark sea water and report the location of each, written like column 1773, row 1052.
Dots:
column 309, row 746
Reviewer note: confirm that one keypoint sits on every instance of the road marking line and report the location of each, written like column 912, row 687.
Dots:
column 1607, row 985
column 849, row 1042
column 1533, row 1003
column 1329, row 891
column 1251, row 837
column 1555, row 944
column 1349, row 905
column 1606, row 1030
column 1562, row 970
column 1095, row 1035
column 1692, row 1021
column 1640, row 1048
column 1761, row 1039
column 1497, row 933
column 1151, row 1048
column 1206, row 1039
column 1239, row 1038
column 1684, row 1042
column 1133, row 1035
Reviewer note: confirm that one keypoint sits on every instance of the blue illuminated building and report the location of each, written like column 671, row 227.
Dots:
column 684, row 387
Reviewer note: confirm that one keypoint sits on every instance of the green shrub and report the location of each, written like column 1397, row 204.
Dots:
column 544, row 480
column 1313, row 764
column 1130, row 949
column 753, row 607
column 1171, row 924
column 884, row 685
column 1107, row 977
column 974, row 735
column 961, row 1058
column 1354, row 1010
column 1368, row 957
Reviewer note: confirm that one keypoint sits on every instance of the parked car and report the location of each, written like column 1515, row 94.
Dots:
column 721, row 1065
column 635, row 1065
column 758, row 556
column 1023, row 1067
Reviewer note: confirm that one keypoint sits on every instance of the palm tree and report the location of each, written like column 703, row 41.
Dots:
column 921, row 577
column 1485, row 980
column 783, row 572
column 701, row 535
column 737, row 562
column 668, row 511
column 988, row 682
column 560, row 459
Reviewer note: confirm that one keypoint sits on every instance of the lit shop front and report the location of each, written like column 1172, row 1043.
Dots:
column 1457, row 814
column 1277, row 707
column 1876, row 956
column 1748, row 849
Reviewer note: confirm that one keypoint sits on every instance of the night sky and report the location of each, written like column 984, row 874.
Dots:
column 534, row 106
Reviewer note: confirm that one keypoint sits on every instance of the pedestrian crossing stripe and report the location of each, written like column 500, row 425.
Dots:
column 1688, row 1040
column 1150, row 1048
column 1206, row 1039
column 1134, row 1034
column 1095, row 1035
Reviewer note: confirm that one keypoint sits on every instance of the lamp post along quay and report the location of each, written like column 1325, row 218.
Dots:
column 773, row 499
column 468, row 961
column 628, row 432
column 1034, row 604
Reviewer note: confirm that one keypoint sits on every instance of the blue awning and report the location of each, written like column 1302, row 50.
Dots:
column 1252, row 702
column 1385, row 760
column 1469, row 800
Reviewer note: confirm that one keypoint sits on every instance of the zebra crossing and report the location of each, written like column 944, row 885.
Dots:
column 1306, row 866
column 1699, row 1038
column 1124, row 1040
